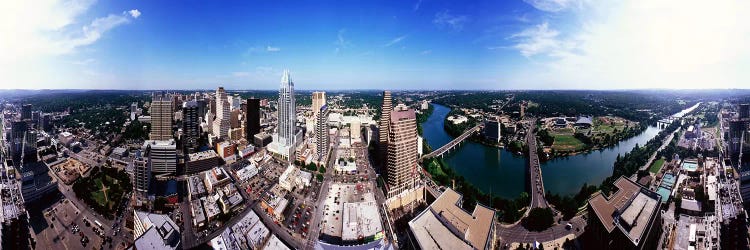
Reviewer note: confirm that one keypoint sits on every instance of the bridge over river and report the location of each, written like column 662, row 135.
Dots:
column 454, row 143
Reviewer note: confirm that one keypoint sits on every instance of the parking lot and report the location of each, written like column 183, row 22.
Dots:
column 67, row 227
column 298, row 222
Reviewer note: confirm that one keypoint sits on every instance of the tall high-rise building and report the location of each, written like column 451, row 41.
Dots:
column 744, row 111
column 252, row 116
column 26, row 112
column 492, row 130
column 321, row 133
column 162, row 156
column 161, row 117
column 402, row 151
column 133, row 111
column 318, row 100
column 202, row 107
column 287, row 116
column 45, row 122
column 191, row 122
column 221, row 123
column 141, row 174
column 383, row 130
column 235, row 118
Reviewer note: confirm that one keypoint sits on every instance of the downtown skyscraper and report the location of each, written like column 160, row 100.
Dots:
column 161, row 117
column 321, row 134
column 383, row 130
column 191, row 121
column 402, row 156
column 221, row 122
column 252, row 117
column 287, row 116
column 318, row 100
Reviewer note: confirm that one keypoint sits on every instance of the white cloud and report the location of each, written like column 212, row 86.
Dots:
column 554, row 5
column 39, row 34
column 341, row 42
column 240, row 73
column 135, row 13
column 395, row 41
column 444, row 18
column 272, row 49
column 416, row 6
column 92, row 32
column 426, row 52
column 86, row 61
column 642, row 44
column 535, row 40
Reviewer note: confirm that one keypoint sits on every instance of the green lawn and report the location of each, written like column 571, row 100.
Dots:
column 656, row 165
column 564, row 142
column 98, row 195
column 112, row 189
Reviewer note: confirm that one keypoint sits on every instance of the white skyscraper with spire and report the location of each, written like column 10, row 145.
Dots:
column 287, row 116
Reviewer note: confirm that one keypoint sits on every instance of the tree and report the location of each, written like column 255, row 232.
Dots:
column 322, row 169
column 312, row 167
column 319, row 177
column 539, row 219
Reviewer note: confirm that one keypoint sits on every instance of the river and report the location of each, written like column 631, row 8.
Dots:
column 502, row 173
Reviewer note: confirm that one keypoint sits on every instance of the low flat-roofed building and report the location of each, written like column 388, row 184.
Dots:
column 628, row 219
column 196, row 210
column 195, row 187
column 257, row 234
column 155, row 231
column 294, row 177
column 201, row 161
column 211, row 207
column 231, row 202
column 215, row 177
column 361, row 220
column 275, row 243
column 262, row 139
column 274, row 203
column 445, row 225
column 247, row 172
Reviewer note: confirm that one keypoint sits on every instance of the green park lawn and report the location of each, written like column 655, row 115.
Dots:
column 104, row 188
column 566, row 142
column 656, row 165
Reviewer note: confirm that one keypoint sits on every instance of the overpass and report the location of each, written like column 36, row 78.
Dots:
column 452, row 144
column 535, row 171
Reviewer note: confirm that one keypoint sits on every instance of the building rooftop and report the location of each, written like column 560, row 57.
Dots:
column 166, row 144
column 636, row 216
column 197, row 211
column 161, row 232
column 434, row 228
column 195, row 185
column 360, row 220
column 397, row 115
column 247, row 172
column 605, row 208
column 584, row 120
column 631, row 209
column 202, row 155
column 257, row 234
column 275, row 243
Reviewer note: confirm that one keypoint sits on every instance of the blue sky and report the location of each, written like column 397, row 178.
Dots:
column 427, row 44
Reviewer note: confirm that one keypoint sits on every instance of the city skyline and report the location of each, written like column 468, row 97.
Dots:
column 532, row 44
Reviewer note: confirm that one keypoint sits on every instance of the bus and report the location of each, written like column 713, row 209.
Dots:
column 98, row 224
